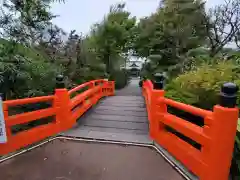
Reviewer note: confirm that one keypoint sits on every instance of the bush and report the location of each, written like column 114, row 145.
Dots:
column 201, row 87
column 121, row 78
column 24, row 72
column 28, row 79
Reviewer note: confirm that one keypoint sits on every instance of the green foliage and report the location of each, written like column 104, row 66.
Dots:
column 200, row 87
column 171, row 37
column 23, row 76
column 121, row 78
column 113, row 35
column 174, row 29
column 25, row 20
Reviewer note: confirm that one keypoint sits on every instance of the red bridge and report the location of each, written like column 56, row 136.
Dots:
column 95, row 132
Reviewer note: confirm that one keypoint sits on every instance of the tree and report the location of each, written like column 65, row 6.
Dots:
column 223, row 25
column 51, row 42
column 167, row 35
column 24, row 20
column 113, row 35
column 23, row 70
column 184, row 22
column 237, row 38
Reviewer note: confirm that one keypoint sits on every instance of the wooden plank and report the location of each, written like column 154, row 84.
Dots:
column 122, row 102
column 121, row 108
column 110, row 136
column 111, row 130
column 117, row 104
column 137, row 138
column 118, row 118
column 126, row 97
column 116, row 124
column 121, row 112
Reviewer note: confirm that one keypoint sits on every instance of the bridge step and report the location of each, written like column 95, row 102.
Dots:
column 122, row 108
column 117, row 124
column 121, row 112
column 126, row 98
column 122, row 104
column 110, row 136
column 117, row 118
column 114, row 130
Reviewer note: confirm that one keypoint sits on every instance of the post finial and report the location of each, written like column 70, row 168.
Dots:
column 228, row 95
column 158, row 82
column 60, row 82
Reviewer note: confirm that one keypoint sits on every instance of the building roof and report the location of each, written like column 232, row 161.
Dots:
column 134, row 65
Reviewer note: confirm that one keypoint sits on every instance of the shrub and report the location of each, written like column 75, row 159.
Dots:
column 24, row 72
column 201, row 87
column 121, row 78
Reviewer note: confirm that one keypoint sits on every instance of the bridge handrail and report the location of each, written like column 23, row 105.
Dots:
column 216, row 137
column 87, row 84
column 16, row 102
column 187, row 108
column 29, row 116
column 63, row 109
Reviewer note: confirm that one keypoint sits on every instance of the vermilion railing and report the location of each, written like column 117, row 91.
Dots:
column 213, row 160
column 66, row 111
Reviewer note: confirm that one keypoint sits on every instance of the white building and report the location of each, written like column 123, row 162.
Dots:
column 134, row 65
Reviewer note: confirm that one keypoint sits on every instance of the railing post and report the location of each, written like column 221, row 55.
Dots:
column 108, row 88
column 62, row 104
column 222, row 132
column 156, row 107
column 158, row 81
column 104, row 87
column 112, row 88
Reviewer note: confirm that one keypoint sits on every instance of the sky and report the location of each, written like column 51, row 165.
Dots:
column 81, row 14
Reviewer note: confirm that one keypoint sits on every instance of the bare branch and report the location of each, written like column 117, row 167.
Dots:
column 223, row 25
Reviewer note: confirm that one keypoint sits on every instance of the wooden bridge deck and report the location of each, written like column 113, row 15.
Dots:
column 121, row 117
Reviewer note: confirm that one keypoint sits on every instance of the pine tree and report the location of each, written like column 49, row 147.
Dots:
column 183, row 21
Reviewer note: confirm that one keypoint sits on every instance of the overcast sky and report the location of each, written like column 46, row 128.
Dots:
column 81, row 14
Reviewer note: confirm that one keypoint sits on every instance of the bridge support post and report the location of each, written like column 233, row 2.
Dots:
column 222, row 132
column 62, row 105
column 157, row 109
column 112, row 89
